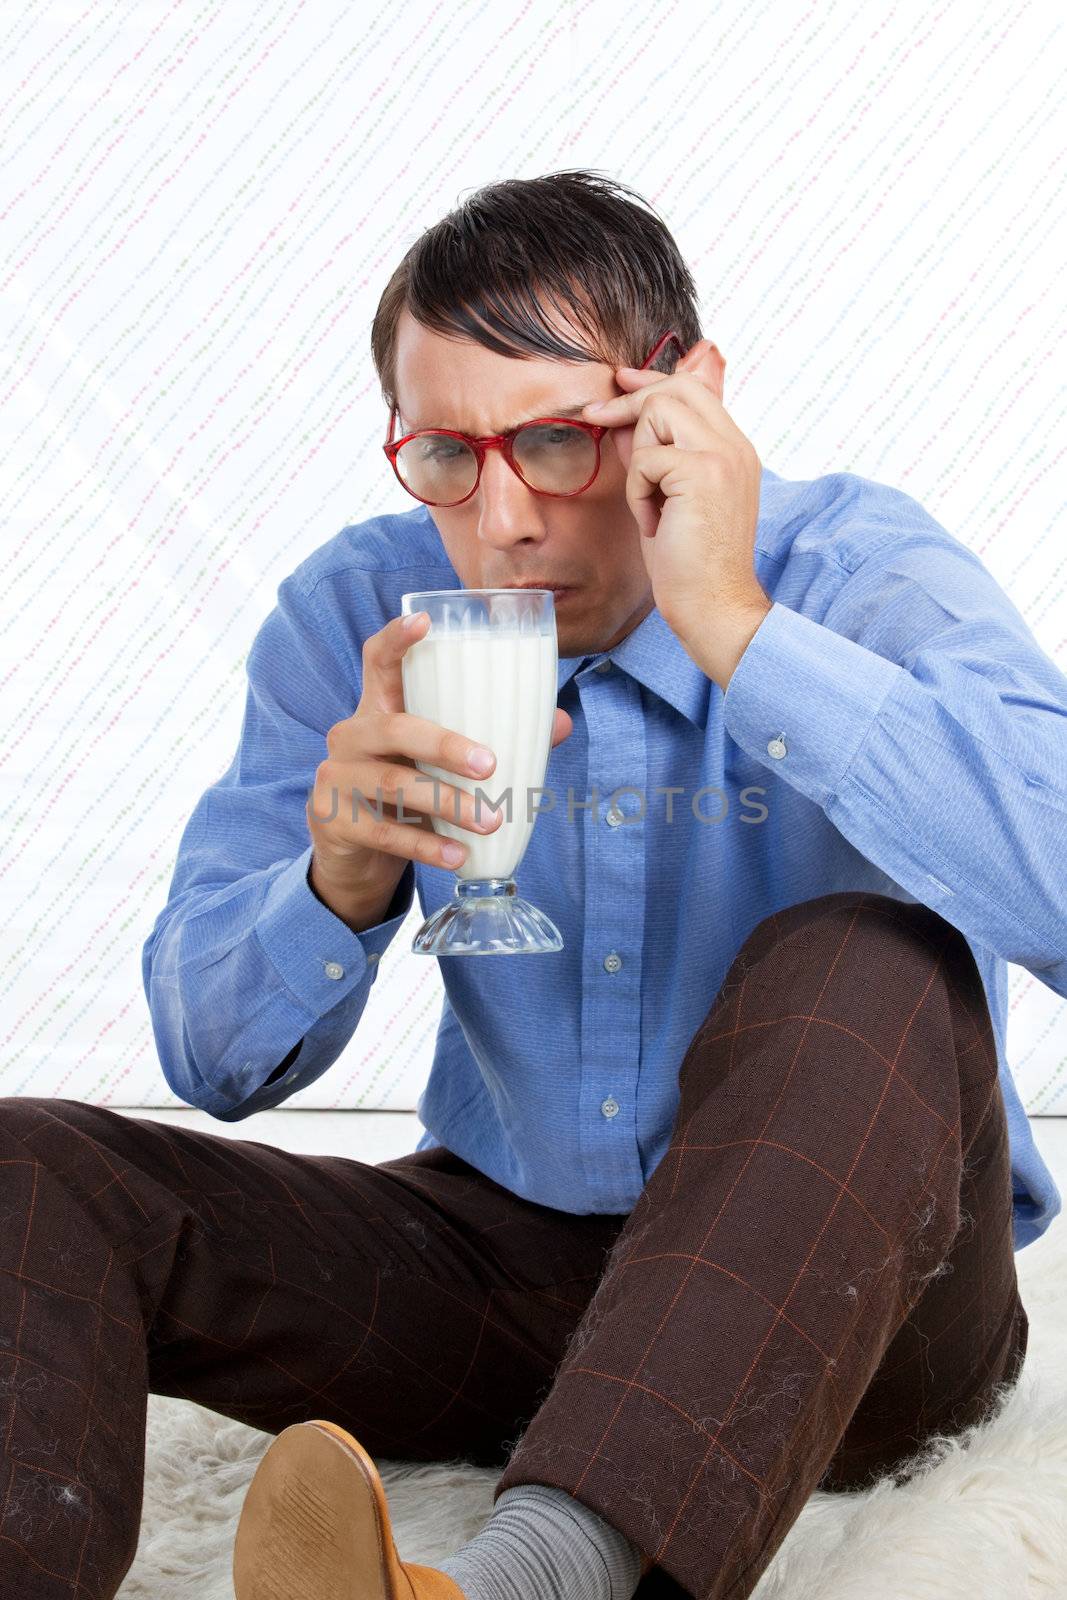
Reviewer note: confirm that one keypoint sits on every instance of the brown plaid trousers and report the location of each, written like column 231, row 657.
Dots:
column 818, row 1278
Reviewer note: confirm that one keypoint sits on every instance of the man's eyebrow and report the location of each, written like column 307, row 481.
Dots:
column 556, row 411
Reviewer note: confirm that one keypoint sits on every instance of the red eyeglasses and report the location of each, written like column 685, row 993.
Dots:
column 551, row 455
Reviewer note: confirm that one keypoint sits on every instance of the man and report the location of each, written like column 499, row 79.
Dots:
column 716, row 1205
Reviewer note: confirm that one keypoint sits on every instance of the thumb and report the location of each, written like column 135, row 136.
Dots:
column 563, row 727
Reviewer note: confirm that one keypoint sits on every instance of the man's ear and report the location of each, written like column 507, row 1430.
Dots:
column 705, row 361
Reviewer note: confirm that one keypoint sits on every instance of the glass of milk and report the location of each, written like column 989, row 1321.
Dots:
column 486, row 667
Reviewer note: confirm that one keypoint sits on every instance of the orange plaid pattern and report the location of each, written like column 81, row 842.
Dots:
column 818, row 1277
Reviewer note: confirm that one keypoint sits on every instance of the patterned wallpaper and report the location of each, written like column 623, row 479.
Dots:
column 201, row 204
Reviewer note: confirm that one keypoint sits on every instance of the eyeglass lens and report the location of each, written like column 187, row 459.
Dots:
column 556, row 457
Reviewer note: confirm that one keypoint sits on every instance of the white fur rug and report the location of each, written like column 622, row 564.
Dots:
column 986, row 1520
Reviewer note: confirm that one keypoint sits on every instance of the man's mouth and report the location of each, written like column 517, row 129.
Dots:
column 559, row 590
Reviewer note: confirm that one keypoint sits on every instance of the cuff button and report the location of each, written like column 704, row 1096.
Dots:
column 333, row 969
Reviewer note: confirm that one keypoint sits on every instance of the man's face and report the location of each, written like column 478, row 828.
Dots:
column 505, row 533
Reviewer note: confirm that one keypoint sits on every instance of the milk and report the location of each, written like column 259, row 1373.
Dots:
column 497, row 686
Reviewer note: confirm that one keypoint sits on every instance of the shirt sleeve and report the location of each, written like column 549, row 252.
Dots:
column 923, row 717
column 245, row 966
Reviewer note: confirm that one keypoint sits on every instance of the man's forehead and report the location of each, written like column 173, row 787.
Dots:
column 444, row 419
column 433, row 403
column 430, row 389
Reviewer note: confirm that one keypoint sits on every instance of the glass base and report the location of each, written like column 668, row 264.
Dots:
column 488, row 917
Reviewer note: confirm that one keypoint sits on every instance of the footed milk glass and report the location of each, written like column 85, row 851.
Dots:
column 486, row 667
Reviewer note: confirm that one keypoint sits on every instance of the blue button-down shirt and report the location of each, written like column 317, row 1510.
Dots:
column 892, row 726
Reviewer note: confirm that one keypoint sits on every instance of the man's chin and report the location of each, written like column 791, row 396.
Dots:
column 586, row 641
column 580, row 647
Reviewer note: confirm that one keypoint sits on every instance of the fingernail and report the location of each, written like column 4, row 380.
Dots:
column 452, row 853
column 480, row 759
column 410, row 622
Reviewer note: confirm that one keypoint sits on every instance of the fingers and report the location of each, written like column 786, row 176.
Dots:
column 562, row 728
column 424, row 792
column 383, row 652
column 684, row 386
column 401, row 733
column 386, row 808
column 383, row 760
column 650, row 467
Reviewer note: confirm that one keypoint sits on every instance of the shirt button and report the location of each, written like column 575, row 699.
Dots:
column 612, row 961
column 776, row 748
column 603, row 666
column 372, row 957
column 614, row 817
column 333, row 969
column 609, row 1107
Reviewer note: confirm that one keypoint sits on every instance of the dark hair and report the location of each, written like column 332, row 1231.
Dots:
column 611, row 265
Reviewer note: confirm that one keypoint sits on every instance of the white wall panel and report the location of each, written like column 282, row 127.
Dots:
column 201, row 204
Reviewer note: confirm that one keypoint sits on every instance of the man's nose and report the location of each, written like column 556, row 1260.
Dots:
column 509, row 511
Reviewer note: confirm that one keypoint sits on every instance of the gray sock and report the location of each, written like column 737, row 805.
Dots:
column 542, row 1544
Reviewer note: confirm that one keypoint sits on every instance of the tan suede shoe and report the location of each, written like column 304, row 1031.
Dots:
column 315, row 1526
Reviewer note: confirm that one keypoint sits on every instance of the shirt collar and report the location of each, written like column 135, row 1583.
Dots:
column 654, row 655
column 651, row 653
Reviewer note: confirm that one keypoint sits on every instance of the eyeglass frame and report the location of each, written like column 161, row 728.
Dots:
column 503, row 442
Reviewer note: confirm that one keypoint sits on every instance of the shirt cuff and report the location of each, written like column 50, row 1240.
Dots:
column 802, row 699
column 319, row 958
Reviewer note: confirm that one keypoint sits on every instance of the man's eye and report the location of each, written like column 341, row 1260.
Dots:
column 441, row 449
column 557, row 436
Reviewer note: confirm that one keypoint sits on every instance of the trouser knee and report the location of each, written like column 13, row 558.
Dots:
column 860, row 921
column 73, row 1164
